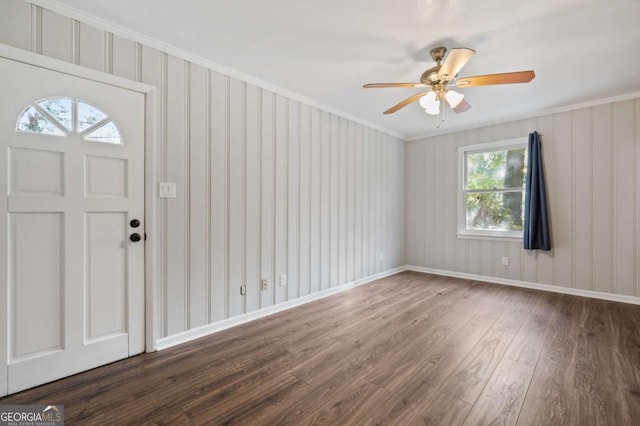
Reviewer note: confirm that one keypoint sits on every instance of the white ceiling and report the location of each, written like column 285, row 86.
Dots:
column 326, row 49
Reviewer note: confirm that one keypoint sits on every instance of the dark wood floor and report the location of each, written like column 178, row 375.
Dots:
column 408, row 349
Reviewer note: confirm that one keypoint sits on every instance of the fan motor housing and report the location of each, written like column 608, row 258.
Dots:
column 430, row 75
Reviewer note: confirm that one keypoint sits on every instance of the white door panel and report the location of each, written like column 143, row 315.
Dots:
column 73, row 280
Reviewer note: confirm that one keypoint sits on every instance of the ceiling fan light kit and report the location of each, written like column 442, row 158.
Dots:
column 454, row 98
column 442, row 75
column 430, row 103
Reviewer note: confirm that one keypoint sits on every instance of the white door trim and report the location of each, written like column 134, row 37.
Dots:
column 151, row 177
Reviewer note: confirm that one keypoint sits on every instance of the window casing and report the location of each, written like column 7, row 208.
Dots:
column 491, row 187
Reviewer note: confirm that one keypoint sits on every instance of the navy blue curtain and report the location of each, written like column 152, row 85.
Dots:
column 536, row 218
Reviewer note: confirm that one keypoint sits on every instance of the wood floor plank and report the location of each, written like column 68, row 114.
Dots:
column 405, row 350
column 473, row 373
column 502, row 398
column 628, row 385
column 538, row 411
column 442, row 409
column 419, row 381
column 527, row 344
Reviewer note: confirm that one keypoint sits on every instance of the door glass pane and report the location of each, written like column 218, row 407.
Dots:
column 61, row 109
column 108, row 133
column 88, row 116
column 33, row 121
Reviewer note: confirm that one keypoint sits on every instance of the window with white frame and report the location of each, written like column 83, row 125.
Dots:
column 492, row 185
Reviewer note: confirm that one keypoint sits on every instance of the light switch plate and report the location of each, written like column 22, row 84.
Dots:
column 167, row 190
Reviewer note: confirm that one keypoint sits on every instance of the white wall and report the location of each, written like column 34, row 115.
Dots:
column 592, row 160
column 266, row 185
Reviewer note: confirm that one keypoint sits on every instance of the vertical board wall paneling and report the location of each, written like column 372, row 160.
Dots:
column 219, row 196
column 293, row 201
column 602, row 173
column 281, row 199
column 94, row 48
column 198, row 219
column 343, row 208
column 304, row 209
column 55, row 36
column 426, row 243
column 267, row 196
column 334, row 205
column 357, row 212
column 325, row 201
column 266, row 186
column 305, row 178
column 124, row 58
column 562, row 208
column 237, row 142
column 637, row 196
column 315, row 194
column 16, row 25
column 371, row 209
column 252, row 199
column 624, row 192
column 591, row 166
column 350, row 201
column 582, row 202
column 176, row 169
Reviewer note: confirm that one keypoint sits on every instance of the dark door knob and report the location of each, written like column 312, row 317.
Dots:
column 135, row 237
column 134, row 223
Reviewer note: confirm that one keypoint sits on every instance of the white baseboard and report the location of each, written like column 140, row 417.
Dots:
column 208, row 329
column 545, row 287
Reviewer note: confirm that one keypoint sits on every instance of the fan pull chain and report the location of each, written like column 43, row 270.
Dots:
column 442, row 108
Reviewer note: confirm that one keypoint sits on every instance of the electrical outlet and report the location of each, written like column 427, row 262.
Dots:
column 381, row 258
column 264, row 284
column 243, row 290
column 505, row 261
column 283, row 280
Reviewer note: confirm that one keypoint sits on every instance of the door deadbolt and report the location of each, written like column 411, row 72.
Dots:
column 134, row 223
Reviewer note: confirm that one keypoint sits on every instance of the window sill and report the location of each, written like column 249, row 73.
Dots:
column 489, row 237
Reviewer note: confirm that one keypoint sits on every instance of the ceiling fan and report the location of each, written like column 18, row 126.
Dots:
column 442, row 76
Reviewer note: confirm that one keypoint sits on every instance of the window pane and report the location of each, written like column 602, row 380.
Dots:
column 60, row 109
column 495, row 211
column 108, row 133
column 88, row 116
column 32, row 121
column 496, row 169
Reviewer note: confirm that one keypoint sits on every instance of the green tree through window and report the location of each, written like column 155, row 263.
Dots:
column 494, row 189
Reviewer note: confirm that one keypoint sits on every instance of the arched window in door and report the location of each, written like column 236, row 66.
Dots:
column 61, row 116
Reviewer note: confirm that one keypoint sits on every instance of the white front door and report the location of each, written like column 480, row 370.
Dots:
column 72, row 276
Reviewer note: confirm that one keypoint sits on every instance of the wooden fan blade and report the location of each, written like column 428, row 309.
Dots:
column 404, row 103
column 462, row 107
column 490, row 79
column 382, row 85
column 456, row 59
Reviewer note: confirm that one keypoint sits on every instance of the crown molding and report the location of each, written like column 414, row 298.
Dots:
column 105, row 25
column 540, row 113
